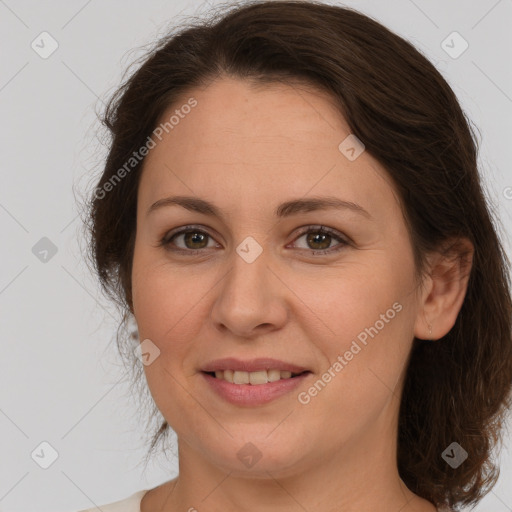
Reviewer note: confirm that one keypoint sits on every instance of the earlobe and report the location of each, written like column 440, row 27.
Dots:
column 449, row 275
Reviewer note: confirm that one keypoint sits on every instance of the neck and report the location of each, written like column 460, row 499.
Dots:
column 359, row 475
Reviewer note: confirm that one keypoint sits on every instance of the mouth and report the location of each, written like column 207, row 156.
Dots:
column 254, row 372
column 254, row 378
column 253, row 383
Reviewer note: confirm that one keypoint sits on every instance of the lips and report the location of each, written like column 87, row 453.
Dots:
column 253, row 382
column 252, row 394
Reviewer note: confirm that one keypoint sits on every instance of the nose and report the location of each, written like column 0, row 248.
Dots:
column 251, row 298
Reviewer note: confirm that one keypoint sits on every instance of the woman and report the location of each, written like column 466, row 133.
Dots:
column 291, row 211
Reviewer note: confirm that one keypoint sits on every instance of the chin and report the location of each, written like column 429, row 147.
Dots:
column 257, row 456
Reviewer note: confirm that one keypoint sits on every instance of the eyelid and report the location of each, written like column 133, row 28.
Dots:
column 186, row 227
column 326, row 230
column 166, row 239
column 343, row 239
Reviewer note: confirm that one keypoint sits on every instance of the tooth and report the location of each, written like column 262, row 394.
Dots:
column 273, row 375
column 254, row 378
column 258, row 377
column 228, row 375
column 241, row 377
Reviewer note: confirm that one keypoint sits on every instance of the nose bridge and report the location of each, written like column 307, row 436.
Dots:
column 247, row 281
column 248, row 296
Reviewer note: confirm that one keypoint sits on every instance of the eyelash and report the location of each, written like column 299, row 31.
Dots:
column 319, row 230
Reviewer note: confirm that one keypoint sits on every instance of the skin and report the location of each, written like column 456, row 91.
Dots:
column 247, row 149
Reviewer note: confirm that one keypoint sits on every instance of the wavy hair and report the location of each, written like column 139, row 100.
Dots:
column 457, row 388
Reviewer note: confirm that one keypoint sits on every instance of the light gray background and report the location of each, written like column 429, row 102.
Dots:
column 61, row 379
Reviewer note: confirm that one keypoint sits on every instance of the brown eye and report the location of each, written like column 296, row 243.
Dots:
column 322, row 240
column 187, row 239
column 191, row 241
column 319, row 240
column 195, row 239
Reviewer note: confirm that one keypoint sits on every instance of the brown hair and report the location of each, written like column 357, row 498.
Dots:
column 395, row 101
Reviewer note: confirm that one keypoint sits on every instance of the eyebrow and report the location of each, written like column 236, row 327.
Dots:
column 286, row 209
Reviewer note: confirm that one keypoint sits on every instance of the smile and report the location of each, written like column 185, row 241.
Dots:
column 253, row 378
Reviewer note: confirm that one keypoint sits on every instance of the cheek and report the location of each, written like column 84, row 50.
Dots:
column 167, row 302
column 164, row 297
column 364, row 317
column 165, row 305
column 365, row 360
column 355, row 297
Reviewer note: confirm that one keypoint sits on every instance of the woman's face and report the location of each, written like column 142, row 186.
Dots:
column 257, row 281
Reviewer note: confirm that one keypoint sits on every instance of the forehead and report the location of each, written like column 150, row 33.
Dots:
column 256, row 142
column 229, row 110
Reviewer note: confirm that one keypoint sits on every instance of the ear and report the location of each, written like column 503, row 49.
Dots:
column 444, row 289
